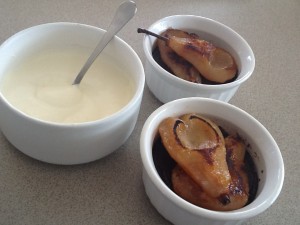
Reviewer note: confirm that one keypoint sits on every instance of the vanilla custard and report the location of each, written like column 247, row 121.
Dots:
column 41, row 86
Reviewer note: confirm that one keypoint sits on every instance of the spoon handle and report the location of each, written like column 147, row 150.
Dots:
column 123, row 14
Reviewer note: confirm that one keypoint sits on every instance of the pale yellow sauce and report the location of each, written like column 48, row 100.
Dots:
column 41, row 86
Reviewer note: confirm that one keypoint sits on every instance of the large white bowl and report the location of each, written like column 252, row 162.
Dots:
column 69, row 143
column 167, row 87
column 264, row 151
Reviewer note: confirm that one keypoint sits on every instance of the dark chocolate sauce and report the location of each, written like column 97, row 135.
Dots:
column 252, row 176
column 164, row 164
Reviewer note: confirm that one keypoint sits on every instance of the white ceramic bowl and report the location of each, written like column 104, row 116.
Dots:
column 264, row 152
column 167, row 87
column 69, row 143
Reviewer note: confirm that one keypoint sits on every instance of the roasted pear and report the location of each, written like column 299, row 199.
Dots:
column 235, row 155
column 215, row 64
column 178, row 65
column 188, row 189
column 198, row 147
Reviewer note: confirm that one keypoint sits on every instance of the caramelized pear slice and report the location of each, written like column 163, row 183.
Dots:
column 178, row 65
column 203, row 159
column 187, row 188
column 215, row 64
column 235, row 154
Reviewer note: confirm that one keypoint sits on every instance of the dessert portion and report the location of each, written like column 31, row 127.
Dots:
column 213, row 63
column 40, row 85
column 196, row 144
column 191, row 58
column 206, row 166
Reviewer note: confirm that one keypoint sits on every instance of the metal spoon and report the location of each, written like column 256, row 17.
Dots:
column 123, row 14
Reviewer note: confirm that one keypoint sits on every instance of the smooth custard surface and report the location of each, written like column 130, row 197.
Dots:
column 41, row 86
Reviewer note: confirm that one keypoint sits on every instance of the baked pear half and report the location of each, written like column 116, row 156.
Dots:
column 215, row 64
column 238, row 193
column 198, row 147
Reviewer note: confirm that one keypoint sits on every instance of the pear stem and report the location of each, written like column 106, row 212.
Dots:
column 141, row 30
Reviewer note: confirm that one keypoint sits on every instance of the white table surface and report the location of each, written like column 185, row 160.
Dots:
column 110, row 190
